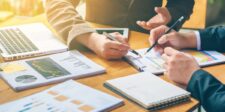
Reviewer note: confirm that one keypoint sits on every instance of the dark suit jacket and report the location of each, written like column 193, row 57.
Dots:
column 125, row 13
column 208, row 90
column 203, row 86
column 213, row 38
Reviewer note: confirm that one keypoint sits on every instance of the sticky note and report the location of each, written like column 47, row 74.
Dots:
column 12, row 67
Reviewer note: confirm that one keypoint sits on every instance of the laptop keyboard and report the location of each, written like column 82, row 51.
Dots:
column 14, row 41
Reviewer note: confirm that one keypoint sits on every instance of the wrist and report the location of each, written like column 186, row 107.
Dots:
column 88, row 40
column 191, row 40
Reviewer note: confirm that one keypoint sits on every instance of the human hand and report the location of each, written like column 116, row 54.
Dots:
column 104, row 47
column 173, row 39
column 179, row 66
column 162, row 17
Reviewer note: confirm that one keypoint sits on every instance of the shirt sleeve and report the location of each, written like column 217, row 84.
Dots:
column 198, row 38
column 64, row 18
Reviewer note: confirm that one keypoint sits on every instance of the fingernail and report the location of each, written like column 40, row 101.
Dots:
column 138, row 22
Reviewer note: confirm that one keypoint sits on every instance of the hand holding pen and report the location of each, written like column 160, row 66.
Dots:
column 114, row 39
column 179, row 21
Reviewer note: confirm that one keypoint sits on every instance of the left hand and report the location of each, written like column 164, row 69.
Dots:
column 179, row 66
column 162, row 18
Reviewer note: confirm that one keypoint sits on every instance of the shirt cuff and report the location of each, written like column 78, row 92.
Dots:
column 198, row 38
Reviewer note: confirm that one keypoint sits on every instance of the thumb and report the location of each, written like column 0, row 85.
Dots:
column 120, row 38
column 161, row 11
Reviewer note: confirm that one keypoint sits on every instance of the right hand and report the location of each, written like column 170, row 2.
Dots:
column 173, row 39
column 179, row 66
column 106, row 48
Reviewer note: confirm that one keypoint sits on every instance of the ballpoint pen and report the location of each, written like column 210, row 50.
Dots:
column 168, row 31
column 114, row 39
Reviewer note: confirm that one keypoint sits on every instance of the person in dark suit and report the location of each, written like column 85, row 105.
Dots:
column 138, row 15
column 184, row 69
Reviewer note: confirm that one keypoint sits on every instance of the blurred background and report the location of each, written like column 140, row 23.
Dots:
column 29, row 8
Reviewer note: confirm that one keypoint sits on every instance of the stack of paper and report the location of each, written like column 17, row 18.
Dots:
column 69, row 96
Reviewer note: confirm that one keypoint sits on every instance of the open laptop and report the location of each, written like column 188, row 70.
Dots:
column 28, row 40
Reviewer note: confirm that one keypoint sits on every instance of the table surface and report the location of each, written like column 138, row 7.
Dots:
column 115, row 69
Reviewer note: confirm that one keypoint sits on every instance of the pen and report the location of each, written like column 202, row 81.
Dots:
column 114, row 39
column 172, row 27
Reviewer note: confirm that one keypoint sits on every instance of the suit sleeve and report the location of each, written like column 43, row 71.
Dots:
column 178, row 8
column 64, row 18
column 213, row 38
column 208, row 90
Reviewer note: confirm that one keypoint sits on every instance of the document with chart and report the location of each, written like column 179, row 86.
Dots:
column 69, row 96
column 153, row 62
column 34, row 72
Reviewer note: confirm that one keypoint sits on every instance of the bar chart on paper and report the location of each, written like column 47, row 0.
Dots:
column 69, row 96
column 202, row 56
column 206, row 58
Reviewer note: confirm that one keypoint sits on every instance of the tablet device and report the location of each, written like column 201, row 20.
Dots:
column 122, row 31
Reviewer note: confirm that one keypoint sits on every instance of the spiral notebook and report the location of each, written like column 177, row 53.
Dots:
column 148, row 90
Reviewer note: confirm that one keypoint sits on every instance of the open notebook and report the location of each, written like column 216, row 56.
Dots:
column 153, row 62
column 148, row 90
column 69, row 96
column 29, row 73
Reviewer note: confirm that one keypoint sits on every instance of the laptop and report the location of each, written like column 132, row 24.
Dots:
column 29, row 40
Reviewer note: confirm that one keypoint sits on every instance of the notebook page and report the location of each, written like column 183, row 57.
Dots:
column 146, row 88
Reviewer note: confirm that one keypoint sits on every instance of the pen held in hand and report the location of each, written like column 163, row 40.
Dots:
column 179, row 21
column 114, row 39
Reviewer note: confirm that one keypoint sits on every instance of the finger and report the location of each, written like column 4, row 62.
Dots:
column 165, row 57
column 115, row 54
column 139, row 23
column 157, row 32
column 165, row 66
column 170, row 51
column 158, row 49
column 162, row 40
column 125, row 38
column 117, row 45
column 121, row 38
column 152, row 25
column 143, row 24
column 162, row 11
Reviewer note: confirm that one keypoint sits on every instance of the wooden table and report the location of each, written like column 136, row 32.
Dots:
column 114, row 69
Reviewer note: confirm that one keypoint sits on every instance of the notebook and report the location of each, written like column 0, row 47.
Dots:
column 69, row 96
column 30, row 73
column 153, row 62
column 148, row 90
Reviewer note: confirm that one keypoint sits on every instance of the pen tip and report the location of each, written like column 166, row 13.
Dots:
column 145, row 53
